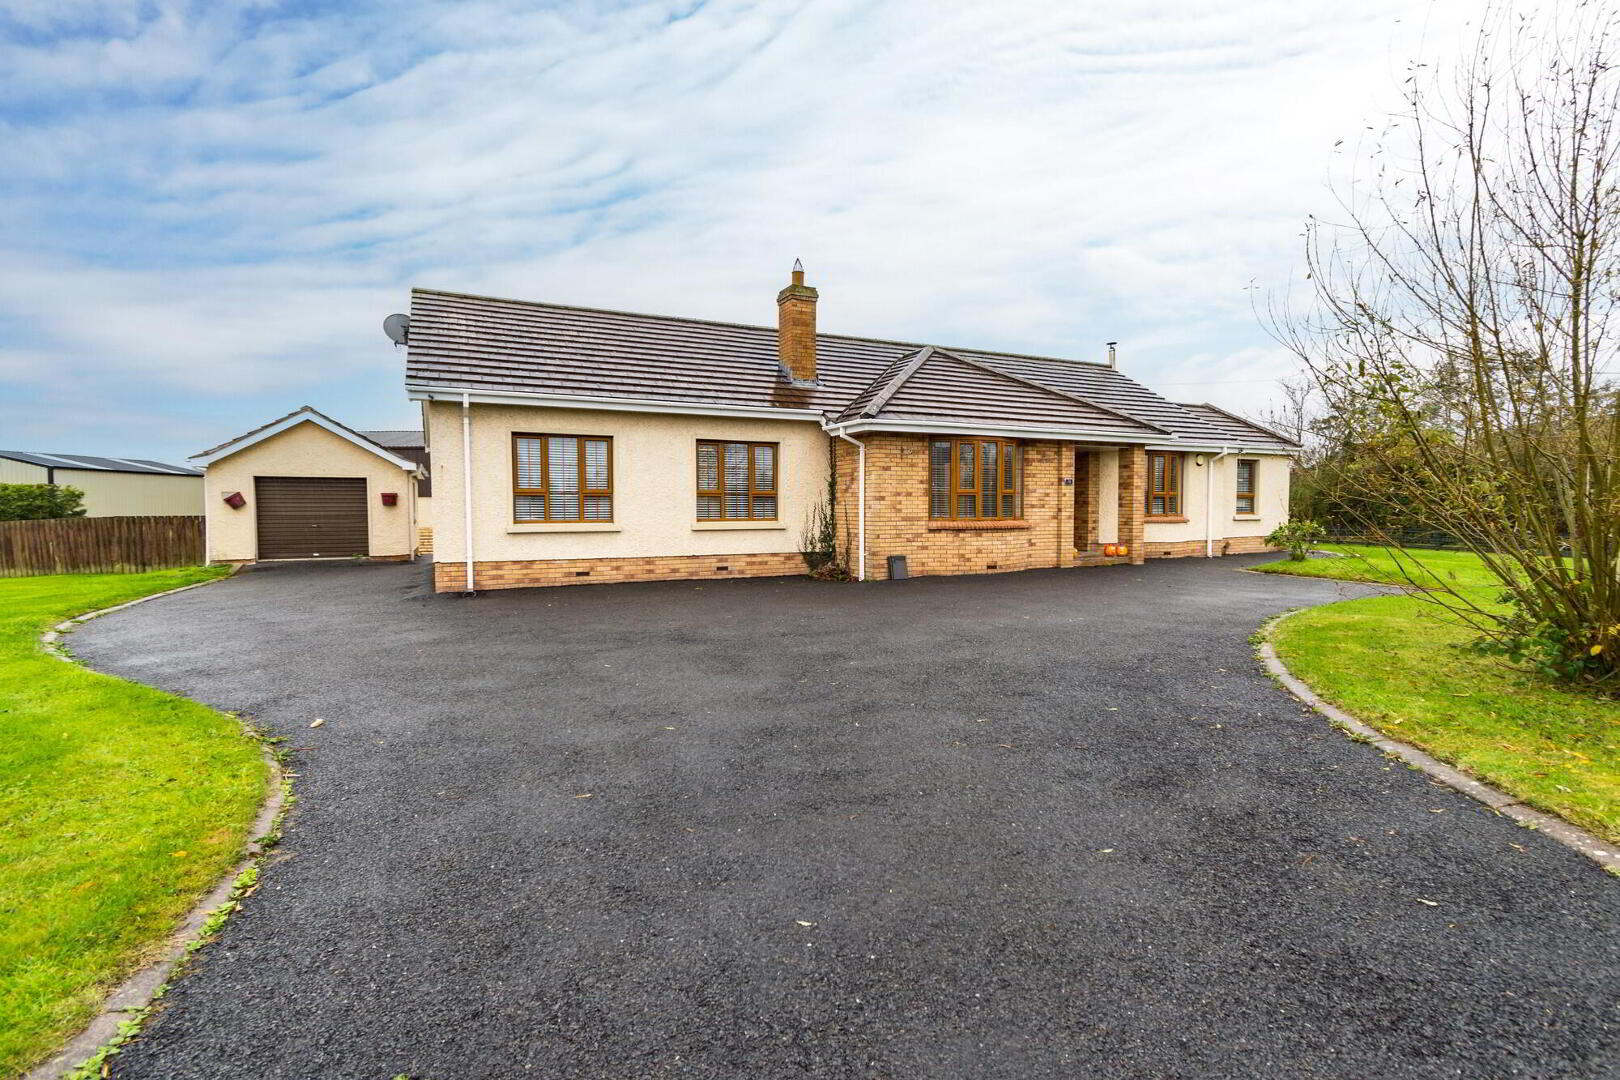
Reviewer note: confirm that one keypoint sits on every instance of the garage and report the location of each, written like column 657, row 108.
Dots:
column 311, row 517
column 306, row 487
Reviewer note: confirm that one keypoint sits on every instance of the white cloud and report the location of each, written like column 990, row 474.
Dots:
column 222, row 201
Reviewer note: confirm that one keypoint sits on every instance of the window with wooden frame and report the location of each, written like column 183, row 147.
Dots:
column 1248, row 471
column 736, row 481
column 975, row 479
column 562, row 478
column 1163, row 484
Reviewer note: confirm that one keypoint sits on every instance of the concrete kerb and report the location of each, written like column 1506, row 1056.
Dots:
column 1599, row 851
column 130, row 999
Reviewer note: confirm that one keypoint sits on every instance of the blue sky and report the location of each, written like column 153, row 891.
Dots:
column 206, row 209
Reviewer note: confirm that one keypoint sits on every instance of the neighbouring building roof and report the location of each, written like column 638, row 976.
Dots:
column 489, row 345
column 396, row 439
column 98, row 464
column 303, row 414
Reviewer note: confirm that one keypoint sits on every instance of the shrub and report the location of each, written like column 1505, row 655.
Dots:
column 819, row 541
column 32, row 502
column 1297, row 535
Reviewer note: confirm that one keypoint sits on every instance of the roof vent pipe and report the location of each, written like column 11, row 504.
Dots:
column 1113, row 355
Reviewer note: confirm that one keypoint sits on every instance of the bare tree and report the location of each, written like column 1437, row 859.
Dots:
column 1463, row 331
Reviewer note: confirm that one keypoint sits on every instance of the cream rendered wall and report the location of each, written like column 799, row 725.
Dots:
column 1108, row 496
column 654, row 485
column 304, row 450
column 114, row 494
column 424, row 510
column 1272, row 479
column 20, row 472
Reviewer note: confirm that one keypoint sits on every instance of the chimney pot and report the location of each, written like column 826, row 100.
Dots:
column 796, row 328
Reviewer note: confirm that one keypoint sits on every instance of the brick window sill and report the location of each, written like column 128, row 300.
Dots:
column 975, row 526
column 1165, row 519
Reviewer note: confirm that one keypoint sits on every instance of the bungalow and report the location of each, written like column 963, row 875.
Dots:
column 577, row 446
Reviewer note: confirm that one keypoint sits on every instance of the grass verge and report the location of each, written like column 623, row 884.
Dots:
column 120, row 806
column 1363, row 563
column 1402, row 665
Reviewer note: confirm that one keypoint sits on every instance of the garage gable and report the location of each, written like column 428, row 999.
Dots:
column 298, row 417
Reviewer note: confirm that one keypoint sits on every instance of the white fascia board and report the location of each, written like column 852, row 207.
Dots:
column 1219, row 448
column 957, row 427
column 535, row 399
column 293, row 421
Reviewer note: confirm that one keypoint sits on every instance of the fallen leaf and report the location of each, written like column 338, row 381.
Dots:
column 587, row 795
column 801, row 922
column 178, row 854
column 317, row 722
column 1431, row 903
column 1106, row 851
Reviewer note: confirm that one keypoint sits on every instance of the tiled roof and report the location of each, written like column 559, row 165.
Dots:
column 1235, row 429
column 98, row 464
column 932, row 384
column 485, row 344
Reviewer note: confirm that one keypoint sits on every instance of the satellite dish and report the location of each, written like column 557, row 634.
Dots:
column 398, row 328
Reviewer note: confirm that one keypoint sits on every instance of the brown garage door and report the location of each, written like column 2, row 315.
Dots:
column 305, row 517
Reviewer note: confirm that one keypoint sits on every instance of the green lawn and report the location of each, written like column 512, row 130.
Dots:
column 1456, row 568
column 1400, row 664
column 119, row 806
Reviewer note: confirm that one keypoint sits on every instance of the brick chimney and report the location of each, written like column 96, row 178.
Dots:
column 796, row 328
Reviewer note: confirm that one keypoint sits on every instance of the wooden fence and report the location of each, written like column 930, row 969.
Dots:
column 99, row 544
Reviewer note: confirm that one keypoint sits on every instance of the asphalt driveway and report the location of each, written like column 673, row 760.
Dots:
column 1052, row 824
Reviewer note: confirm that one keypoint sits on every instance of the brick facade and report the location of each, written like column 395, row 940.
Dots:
column 1132, row 499
column 1231, row 545
column 897, row 521
column 452, row 576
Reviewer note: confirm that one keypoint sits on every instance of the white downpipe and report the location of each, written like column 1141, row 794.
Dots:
column 1209, row 502
column 208, row 513
column 411, row 534
column 466, row 482
column 860, row 509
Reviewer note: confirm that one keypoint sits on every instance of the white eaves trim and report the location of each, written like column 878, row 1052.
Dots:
column 303, row 417
column 953, row 427
column 1219, row 448
column 535, row 399
column 538, row 399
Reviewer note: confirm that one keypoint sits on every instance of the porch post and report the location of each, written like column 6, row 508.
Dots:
column 1132, row 477
column 1067, row 487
